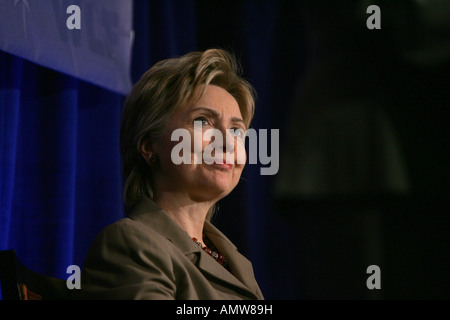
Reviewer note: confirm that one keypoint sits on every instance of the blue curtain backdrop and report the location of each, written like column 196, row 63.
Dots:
column 60, row 167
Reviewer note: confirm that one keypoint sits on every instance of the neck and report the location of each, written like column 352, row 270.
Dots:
column 190, row 215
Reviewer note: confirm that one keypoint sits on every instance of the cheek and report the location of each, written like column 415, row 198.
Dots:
column 239, row 168
column 180, row 151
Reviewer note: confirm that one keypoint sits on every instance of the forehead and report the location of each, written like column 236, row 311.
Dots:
column 217, row 99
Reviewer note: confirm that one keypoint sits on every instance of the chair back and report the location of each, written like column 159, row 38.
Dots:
column 20, row 283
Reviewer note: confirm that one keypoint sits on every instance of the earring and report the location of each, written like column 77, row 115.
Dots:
column 154, row 161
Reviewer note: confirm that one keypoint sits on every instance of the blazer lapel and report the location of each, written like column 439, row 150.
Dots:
column 212, row 269
column 241, row 268
column 147, row 212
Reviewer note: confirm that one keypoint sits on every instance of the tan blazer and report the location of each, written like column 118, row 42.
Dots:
column 148, row 256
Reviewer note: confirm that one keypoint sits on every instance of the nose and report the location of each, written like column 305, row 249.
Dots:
column 225, row 146
column 228, row 143
column 228, row 146
column 234, row 147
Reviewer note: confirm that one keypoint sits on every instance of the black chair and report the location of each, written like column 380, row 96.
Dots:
column 20, row 283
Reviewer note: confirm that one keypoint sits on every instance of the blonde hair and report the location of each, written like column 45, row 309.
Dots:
column 162, row 90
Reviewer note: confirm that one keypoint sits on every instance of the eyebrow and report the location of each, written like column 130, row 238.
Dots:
column 217, row 114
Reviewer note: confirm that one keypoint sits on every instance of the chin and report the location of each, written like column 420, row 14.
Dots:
column 213, row 191
column 218, row 190
column 214, row 184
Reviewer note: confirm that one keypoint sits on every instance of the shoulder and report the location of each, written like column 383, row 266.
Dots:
column 129, row 260
column 129, row 247
column 131, row 235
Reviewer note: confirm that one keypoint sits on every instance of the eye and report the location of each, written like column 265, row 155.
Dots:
column 238, row 132
column 204, row 121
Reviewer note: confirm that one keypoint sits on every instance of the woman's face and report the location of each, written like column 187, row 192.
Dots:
column 216, row 109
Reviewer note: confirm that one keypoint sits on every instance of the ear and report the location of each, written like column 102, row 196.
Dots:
column 147, row 150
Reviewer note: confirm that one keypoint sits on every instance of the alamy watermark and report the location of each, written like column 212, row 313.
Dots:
column 74, row 20
column 74, row 280
column 224, row 150
column 374, row 280
column 374, row 20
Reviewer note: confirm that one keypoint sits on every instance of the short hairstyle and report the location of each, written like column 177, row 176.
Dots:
column 161, row 91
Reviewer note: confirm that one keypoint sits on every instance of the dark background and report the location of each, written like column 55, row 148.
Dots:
column 362, row 114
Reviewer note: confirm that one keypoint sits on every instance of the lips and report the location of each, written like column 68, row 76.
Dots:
column 222, row 164
column 225, row 166
column 219, row 162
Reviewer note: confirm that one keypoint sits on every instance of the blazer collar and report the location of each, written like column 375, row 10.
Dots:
column 147, row 212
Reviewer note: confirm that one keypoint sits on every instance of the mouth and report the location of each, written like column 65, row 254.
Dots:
column 218, row 163
column 222, row 166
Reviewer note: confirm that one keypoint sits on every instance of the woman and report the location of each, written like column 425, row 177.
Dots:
column 166, row 248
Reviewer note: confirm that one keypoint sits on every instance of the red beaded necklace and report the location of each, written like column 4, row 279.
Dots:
column 217, row 256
